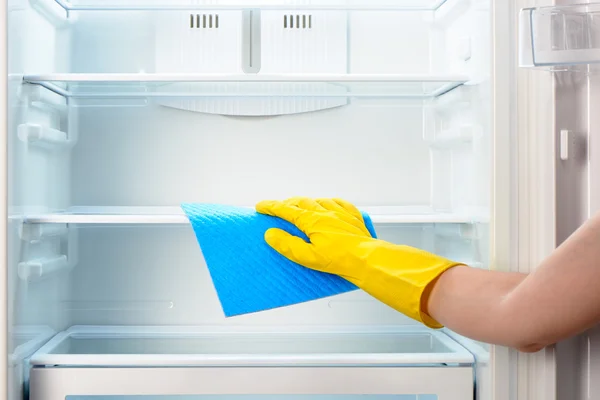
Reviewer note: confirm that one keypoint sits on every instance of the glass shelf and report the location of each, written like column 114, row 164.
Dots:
column 560, row 36
column 98, row 5
column 192, row 346
column 175, row 216
column 219, row 86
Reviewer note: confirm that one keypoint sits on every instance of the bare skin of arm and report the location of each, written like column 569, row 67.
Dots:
column 560, row 299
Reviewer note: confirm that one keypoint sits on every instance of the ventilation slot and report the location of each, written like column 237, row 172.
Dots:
column 297, row 21
column 204, row 21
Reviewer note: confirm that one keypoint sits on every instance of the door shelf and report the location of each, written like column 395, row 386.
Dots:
column 176, row 216
column 359, row 5
column 241, row 85
column 106, row 346
column 559, row 37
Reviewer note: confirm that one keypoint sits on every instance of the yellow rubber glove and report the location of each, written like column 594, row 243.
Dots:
column 340, row 244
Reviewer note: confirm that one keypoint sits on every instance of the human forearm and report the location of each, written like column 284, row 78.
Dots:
column 470, row 302
column 558, row 300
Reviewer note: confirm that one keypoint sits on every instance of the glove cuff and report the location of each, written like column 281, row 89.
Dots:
column 424, row 317
column 402, row 277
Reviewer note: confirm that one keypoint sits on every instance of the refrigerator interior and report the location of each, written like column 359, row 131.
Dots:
column 121, row 110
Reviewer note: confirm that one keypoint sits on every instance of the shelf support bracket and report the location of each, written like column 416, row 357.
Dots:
column 35, row 134
column 41, row 268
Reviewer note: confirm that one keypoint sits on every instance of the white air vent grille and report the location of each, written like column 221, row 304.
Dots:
column 204, row 21
column 193, row 42
column 298, row 21
column 320, row 47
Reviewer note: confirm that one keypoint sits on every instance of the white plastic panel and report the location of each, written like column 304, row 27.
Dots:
column 59, row 383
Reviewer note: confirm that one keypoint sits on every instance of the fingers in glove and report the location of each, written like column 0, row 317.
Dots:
column 305, row 203
column 294, row 248
column 351, row 208
column 344, row 214
column 289, row 213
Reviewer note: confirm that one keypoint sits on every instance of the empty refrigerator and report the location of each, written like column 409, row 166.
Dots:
column 134, row 108
column 119, row 111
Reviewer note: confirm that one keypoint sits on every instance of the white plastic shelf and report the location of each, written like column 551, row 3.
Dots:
column 176, row 216
column 90, row 346
column 361, row 5
column 560, row 36
column 142, row 85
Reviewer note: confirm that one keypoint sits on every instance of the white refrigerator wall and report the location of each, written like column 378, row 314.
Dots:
column 36, row 178
column 370, row 151
column 34, row 309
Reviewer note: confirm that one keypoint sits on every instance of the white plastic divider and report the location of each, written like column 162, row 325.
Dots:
column 176, row 216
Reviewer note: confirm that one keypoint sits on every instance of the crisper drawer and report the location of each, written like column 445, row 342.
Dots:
column 183, row 361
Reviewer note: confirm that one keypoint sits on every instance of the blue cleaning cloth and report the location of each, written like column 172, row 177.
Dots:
column 248, row 275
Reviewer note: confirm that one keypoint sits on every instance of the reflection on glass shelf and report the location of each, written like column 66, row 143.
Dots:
column 560, row 36
column 195, row 346
column 232, row 85
column 264, row 397
column 176, row 216
column 93, row 5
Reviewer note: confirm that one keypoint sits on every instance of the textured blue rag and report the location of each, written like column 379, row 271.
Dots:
column 248, row 275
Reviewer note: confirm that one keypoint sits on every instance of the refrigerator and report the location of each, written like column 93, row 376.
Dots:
column 463, row 127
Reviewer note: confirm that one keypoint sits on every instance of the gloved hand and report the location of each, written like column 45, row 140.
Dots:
column 340, row 244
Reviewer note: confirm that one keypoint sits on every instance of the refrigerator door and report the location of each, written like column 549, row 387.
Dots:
column 560, row 53
column 578, row 192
